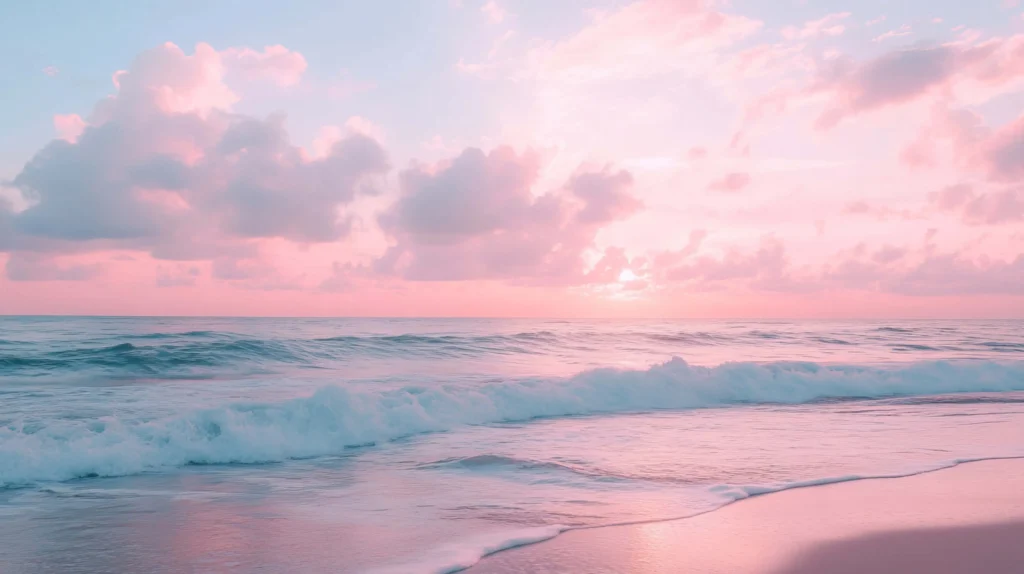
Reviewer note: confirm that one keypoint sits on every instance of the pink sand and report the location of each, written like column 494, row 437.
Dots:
column 968, row 519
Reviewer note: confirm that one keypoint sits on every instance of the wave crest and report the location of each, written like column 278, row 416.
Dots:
column 335, row 418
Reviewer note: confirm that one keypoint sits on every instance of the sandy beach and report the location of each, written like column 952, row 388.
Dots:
column 966, row 519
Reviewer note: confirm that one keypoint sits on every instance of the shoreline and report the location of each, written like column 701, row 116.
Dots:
column 974, row 507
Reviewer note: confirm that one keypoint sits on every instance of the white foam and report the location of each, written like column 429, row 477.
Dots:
column 337, row 417
column 458, row 556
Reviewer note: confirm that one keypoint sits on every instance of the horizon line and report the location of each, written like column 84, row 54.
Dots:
column 482, row 317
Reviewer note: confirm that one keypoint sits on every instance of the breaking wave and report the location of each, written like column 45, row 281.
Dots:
column 335, row 418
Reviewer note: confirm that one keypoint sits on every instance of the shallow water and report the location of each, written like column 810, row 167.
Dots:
column 305, row 445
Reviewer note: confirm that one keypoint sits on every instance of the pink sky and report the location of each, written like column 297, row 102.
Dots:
column 656, row 158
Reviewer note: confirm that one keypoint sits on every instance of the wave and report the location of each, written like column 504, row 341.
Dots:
column 170, row 355
column 456, row 557
column 502, row 463
column 903, row 330
column 336, row 418
column 1001, row 346
column 913, row 347
column 208, row 353
column 496, row 462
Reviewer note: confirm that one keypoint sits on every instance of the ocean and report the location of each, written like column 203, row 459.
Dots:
column 421, row 445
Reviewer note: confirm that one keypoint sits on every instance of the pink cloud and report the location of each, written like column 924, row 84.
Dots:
column 888, row 269
column 167, row 80
column 206, row 198
column 24, row 266
column 765, row 267
column 888, row 254
column 999, row 153
column 477, row 217
column 163, row 167
column 605, row 196
column 51, row 71
column 494, row 12
column 981, row 209
column 731, row 182
column 861, row 207
column 1003, row 153
column 829, row 25
column 643, row 39
column 69, row 126
column 893, row 78
column 903, row 30
column 952, row 196
column 955, row 274
column 611, row 266
column 961, row 129
column 275, row 63
column 903, row 76
column 177, row 276
column 924, row 274
column 670, row 259
column 697, row 153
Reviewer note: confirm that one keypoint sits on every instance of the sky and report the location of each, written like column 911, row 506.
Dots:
column 581, row 158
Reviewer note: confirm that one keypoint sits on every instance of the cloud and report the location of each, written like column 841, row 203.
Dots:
column 179, row 276
column 991, row 208
column 605, row 196
column 925, row 273
column 36, row 267
column 888, row 254
column 51, row 71
column 69, row 126
column 254, row 273
column 341, row 279
column 764, row 268
column 861, row 207
column 904, row 75
column 903, row 30
column 888, row 269
column 275, row 63
column 642, row 39
column 477, row 217
column 731, row 182
column 997, row 153
column 829, row 25
column 953, row 274
column 670, row 259
column 164, row 166
column 1004, row 151
column 7, row 236
column 892, row 78
column 494, row 12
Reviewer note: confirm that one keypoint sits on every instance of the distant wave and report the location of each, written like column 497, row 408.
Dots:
column 335, row 418
column 204, row 353
column 170, row 355
column 894, row 330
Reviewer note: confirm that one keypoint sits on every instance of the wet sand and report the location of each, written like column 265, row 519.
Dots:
column 967, row 519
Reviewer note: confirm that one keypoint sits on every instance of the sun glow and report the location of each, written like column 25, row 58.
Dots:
column 626, row 276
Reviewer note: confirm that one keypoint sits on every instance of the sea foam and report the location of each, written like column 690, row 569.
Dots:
column 338, row 417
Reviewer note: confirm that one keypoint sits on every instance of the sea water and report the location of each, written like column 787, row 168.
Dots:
column 419, row 446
